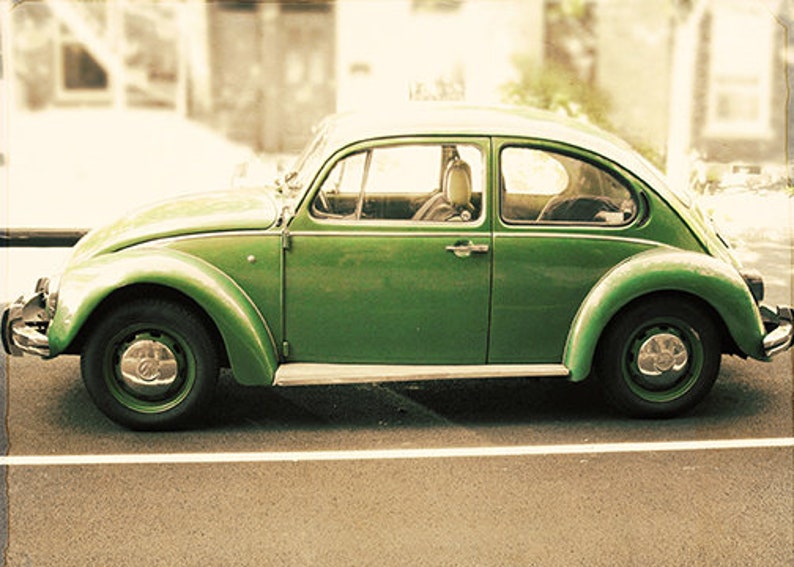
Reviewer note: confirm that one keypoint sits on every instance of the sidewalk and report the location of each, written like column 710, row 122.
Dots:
column 79, row 168
column 69, row 168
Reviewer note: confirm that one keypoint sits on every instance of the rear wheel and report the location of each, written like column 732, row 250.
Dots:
column 150, row 364
column 660, row 358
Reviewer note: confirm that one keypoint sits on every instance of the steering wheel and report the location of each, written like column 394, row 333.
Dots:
column 581, row 209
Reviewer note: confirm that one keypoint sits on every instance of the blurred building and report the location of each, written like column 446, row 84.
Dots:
column 674, row 75
column 278, row 68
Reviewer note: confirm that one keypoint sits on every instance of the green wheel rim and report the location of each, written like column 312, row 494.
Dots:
column 677, row 351
column 149, row 371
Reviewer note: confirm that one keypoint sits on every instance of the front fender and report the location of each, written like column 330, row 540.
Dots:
column 664, row 270
column 249, row 343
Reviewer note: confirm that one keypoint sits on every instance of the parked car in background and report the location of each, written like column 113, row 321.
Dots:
column 752, row 177
column 710, row 178
column 435, row 242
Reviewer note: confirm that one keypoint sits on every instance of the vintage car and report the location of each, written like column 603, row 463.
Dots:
column 431, row 242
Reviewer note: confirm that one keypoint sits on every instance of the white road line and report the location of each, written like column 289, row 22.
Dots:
column 392, row 454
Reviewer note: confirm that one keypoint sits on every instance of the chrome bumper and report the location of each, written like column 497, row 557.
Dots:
column 780, row 329
column 24, row 326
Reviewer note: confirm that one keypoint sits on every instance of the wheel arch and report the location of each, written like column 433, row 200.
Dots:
column 659, row 274
column 90, row 290
column 141, row 290
column 664, row 296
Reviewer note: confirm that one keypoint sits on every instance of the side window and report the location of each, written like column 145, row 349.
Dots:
column 540, row 186
column 421, row 182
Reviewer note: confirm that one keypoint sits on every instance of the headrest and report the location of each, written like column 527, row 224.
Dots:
column 457, row 183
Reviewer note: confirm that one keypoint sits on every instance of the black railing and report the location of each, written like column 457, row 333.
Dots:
column 39, row 237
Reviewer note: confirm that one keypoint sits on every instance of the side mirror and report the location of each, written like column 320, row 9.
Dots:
column 286, row 215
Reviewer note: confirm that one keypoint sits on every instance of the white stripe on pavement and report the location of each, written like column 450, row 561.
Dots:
column 392, row 454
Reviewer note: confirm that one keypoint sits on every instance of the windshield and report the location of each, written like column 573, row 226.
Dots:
column 309, row 161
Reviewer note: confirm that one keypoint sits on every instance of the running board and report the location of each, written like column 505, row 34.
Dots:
column 310, row 374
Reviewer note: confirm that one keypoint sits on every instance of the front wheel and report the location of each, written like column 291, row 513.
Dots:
column 150, row 364
column 659, row 359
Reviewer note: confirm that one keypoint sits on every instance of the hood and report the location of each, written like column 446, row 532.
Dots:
column 253, row 209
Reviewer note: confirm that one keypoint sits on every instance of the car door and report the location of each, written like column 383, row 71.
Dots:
column 565, row 217
column 389, row 260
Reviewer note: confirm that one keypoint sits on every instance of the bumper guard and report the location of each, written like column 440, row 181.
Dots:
column 779, row 323
column 24, row 326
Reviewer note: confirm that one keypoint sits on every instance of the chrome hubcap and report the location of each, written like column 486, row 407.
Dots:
column 662, row 359
column 148, row 368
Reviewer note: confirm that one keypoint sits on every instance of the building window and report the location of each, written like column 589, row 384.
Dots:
column 238, row 5
column 80, row 70
column 79, row 74
column 436, row 5
column 740, row 72
column 302, row 6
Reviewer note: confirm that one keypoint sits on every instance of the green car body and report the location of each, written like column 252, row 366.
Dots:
column 323, row 279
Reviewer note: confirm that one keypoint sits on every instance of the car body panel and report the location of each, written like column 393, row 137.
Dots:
column 251, row 259
column 540, row 280
column 381, row 291
column 382, row 297
column 543, row 272
column 193, row 214
column 249, row 343
column 664, row 270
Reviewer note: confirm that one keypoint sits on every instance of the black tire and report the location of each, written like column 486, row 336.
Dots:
column 659, row 358
column 150, row 364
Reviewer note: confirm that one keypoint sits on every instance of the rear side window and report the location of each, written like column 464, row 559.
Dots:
column 542, row 186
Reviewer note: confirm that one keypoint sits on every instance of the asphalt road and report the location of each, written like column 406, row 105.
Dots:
column 696, row 507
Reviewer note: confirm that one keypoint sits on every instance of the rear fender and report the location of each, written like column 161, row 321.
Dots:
column 249, row 343
column 672, row 271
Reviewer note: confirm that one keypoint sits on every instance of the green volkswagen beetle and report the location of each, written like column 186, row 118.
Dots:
column 429, row 243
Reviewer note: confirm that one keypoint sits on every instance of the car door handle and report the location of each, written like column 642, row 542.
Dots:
column 467, row 248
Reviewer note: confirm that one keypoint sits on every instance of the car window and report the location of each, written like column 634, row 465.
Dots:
column 440, row 182
column 541, row 186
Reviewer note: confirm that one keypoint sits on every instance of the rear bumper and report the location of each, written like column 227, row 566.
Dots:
column 779, row 323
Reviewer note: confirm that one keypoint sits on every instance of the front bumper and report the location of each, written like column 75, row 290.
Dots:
column 24, row 326
column 779, row 323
